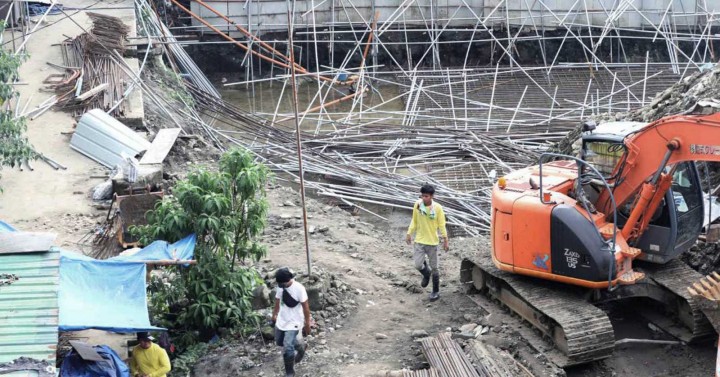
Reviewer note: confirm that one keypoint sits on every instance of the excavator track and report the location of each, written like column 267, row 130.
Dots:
column 676, row 276
column 579, row 330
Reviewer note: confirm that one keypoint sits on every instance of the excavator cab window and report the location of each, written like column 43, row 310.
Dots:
column 603, row 155
column 673, row 228
column 685, row 192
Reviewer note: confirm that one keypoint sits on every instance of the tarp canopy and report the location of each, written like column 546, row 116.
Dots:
column 110, row 294
column 162, row 250
column 103, row 295
column 182, row 250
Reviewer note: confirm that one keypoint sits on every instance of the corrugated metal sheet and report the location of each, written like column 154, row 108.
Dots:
column 102, row 138
column 29, row 306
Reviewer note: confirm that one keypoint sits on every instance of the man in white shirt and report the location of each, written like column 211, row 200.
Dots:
column 291, row 315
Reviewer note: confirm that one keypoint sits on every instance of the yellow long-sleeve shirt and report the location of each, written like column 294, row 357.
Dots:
column 153, row 361
column 425, row 228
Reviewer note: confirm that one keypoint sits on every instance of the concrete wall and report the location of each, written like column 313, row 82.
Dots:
column 271, row 15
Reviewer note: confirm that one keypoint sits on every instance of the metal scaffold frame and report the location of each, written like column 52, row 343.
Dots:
column 455, row 126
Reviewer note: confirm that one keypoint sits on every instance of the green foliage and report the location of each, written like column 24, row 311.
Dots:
column 227, row 210
column 183, row 364
column 174, row 86
column 14, row 146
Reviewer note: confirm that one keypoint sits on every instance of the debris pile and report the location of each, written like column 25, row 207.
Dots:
column 331, row 299
column 698, row 93
column 703, row 257
column 695, row 94
column 93, row 76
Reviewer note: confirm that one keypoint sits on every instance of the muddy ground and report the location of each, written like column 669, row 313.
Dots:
column 385, row 304
column 376, row 335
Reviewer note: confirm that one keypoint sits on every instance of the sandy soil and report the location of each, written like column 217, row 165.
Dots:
column 48, row 199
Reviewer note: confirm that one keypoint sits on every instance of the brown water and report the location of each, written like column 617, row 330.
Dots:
column 268, row 99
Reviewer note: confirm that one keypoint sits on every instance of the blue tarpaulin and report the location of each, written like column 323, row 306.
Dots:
column 74, row 366
column 158, row 250
column 161, row 250
column 110, row 294
column 102, row 295
column 5, row 227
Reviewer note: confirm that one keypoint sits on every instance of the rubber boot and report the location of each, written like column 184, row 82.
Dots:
column 300, row 352
column 289, row 367
column 426, row 275
column 436, row 287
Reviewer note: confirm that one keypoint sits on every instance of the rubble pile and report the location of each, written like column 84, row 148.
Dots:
column 703, row 257
column 331, row 301
column 697, row 94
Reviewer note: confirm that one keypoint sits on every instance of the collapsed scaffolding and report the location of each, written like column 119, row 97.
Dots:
column 457, row 127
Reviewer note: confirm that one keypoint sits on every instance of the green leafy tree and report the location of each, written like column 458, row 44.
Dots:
column 227, row 210
column 14, row 146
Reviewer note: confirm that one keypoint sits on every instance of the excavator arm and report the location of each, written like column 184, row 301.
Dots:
column 650, row 150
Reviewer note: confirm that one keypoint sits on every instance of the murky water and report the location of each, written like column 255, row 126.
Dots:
column 382, row 103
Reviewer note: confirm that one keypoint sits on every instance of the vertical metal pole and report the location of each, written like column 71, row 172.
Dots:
column 14, row 22
column 297, row 134
column 332, row 35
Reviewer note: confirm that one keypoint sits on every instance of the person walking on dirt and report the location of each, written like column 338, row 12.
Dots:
column 427, row 219
column 290, row 315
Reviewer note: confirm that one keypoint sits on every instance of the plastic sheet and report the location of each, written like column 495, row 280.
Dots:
column 74, row 366
column 5, row 227
column 103, row 295
column 161, row 250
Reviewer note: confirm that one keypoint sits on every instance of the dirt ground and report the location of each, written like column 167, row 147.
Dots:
column 375, row 333
column 373, row 259
column 48, row 199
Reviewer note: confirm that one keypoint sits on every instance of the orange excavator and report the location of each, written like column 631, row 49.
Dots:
column 607, row 225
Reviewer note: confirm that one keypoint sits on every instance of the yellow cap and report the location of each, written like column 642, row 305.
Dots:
column 502, row 182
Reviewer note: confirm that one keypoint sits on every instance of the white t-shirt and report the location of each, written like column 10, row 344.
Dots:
column 291, row 318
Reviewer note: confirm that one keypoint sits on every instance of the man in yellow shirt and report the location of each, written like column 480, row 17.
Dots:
column 427, row 219
column 148, row 359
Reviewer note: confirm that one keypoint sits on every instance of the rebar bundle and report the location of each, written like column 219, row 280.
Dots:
column 93, row 77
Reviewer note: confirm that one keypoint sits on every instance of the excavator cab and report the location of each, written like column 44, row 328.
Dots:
column 673, row 228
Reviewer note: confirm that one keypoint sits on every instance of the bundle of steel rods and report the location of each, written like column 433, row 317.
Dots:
column 93, row 77
column 108, row 32
column 447, row 357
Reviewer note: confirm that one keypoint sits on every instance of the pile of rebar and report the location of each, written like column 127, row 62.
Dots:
column 430, row 372
column 108, row 33
column 372, row 168
column 445, row 355
column 93, row 78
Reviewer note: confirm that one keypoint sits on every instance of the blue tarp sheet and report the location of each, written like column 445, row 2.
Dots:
column 110, row 294
column 102, row 295
column 5, row 227
column 158, row 250
column 161, row 250
column 113, row 366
